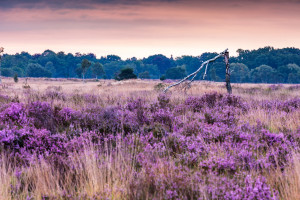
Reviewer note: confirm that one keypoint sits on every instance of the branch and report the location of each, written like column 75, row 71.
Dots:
column 197, row 71
column 204, row 75
column 192, row 79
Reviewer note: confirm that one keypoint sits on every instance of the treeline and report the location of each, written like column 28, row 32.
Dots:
column 264, row 65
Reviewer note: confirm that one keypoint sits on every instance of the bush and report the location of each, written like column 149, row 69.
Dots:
column 126, row 73
column 162, row 78
column 16, row 78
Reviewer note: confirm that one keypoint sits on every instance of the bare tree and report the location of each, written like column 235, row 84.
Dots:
column 225, row 53
column 227, row 79
column 1, row 51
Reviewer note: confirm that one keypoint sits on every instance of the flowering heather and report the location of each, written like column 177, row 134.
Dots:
column 287, row 106
column 196, row 148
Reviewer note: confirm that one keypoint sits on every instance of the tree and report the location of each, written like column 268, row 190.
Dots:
column 36, row 70
column 263, row 74
column 112, row 68
column 7, row 72
column 239, row 72
column 19, row 71
column 163, row 77
column 220, row 70
column 49, row 66
column 140, row 68
column 213, row 74
column 163, row 63
column 78, row 71
column 126, row 73
column 191, row 63
column 98, row 70
column 289, row 72
column 176, row 72
column 294, row 78
column 113, row 58
column 144, row 75
column 85, row 64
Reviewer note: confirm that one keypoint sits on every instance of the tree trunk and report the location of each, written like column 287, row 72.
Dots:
column 228, row 86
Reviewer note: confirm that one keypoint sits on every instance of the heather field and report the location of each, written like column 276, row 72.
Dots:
column 65, row 139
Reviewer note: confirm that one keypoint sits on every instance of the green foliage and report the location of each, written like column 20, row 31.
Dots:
column 85, row 64
column 178, row 72
column 79, row 71
column 112, row 68
column 36, row 70
column 289, row 73
column 239, row 72
column 263, row 74
column 113, row 58
column 140, row 67
column 162, row 62
column 284, row 63
column 7, row 72
column 19, row 71
column 294, row 78
column 268, row 56
column 98, row 69
column 220, row 71
column 50, row 67
column 126, row 73
column 144, row 75
column 191, row 63
column 213, row 74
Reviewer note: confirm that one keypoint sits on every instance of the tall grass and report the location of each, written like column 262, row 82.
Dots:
column 179, row 151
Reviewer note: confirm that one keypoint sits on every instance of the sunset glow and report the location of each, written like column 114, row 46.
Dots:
column 143, row 28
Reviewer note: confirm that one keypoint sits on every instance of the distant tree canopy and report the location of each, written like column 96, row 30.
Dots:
column 239, row 73
column 98, row 70
column 162, row 62
column 36, row 70
column 178, row 72
column 144, row 75
column 264, row 65
column 263, row 74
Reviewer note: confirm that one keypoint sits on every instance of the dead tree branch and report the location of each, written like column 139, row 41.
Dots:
column 198, row 70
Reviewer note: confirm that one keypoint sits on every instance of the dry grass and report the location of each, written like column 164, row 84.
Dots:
column 131, row 88
column 95, row 173
column 112, row 175
column 287, row 182
column 275, row 121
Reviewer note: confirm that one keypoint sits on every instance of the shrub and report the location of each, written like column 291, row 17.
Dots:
column 126, row 73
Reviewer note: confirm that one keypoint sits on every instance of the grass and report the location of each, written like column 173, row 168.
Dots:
column 111, row 171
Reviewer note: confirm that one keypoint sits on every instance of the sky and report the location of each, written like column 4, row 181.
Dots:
column 139, row 28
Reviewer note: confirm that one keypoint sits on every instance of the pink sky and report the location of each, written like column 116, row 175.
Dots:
column 142, row 28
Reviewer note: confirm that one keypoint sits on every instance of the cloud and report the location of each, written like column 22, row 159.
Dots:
column 73, row 4
column 89, row 4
